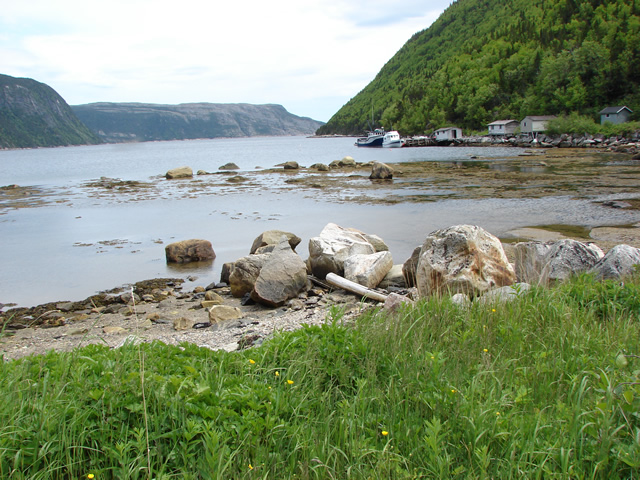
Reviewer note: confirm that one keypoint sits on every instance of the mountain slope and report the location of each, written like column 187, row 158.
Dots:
column 484, row 60
column 120, row 122
column 32, row 114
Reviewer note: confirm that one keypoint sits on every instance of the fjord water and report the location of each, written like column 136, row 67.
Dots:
column 69, row 241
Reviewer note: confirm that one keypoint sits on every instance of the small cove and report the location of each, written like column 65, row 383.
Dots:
column 70, row 236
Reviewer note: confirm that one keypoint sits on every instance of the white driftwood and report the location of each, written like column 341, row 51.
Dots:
column 354, row 287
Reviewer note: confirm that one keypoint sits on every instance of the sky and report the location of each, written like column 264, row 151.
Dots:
column 310, row 56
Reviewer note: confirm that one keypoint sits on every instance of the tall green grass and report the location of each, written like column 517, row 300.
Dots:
column 581, row 124
column 543, row 387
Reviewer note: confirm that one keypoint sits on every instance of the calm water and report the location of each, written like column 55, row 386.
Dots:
column 77, row 242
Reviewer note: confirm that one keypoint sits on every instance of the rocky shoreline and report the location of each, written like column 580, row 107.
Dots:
column 161, row 310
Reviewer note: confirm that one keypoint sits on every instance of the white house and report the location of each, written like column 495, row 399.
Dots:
column 535, row 124
column 503, row 127
column 448, row 133
column 615, row 114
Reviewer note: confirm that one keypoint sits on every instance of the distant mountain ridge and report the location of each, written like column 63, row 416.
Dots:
column 33, row 114
column 130, row 122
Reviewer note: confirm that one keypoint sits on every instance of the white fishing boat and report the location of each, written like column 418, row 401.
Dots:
column 392, row 140
column 373, row 139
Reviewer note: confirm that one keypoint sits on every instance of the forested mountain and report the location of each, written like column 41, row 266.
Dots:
column 484, row 60
column 32, row 114
column 122, row 122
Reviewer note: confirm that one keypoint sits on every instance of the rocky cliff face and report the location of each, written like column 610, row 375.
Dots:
column 122, row 122
column 32, row 114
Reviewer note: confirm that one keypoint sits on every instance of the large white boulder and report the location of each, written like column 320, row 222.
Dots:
column 462, row 259
column 335, row 244
column 368, row 270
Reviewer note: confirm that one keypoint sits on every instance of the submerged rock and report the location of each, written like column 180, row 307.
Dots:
column 186, row 251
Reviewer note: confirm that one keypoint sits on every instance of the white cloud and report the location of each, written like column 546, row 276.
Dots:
column 305, row 54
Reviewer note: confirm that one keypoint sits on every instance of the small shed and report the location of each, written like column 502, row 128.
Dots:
column 615, row 114
column 448, row 133
column 535, row 124
column 503, row 127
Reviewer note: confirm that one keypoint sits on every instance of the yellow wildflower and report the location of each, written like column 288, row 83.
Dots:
column 290, row 382
column 90, row 475
column 250, row 467
column 252, row 361
column 277, row 374
column 493, row 310
column 453, row 390
column 485, row 350
column 384, row 433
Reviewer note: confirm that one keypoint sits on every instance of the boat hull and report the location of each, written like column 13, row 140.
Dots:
column 369, row 142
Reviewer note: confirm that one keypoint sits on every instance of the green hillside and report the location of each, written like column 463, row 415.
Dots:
column 32, row 114
column 484, row 60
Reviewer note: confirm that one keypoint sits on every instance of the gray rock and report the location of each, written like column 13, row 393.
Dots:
column 504, row 294
column 381, row 171
column 530, row 259
column 282, row 277
column 244, row 274
column 410, row 267
column 321, row 167
column 229, row 166
column 395, row 301
column 225, row 273
column 620, row 261
column 186, row 251
column 569, row 257
column 395, row 278
column 180, row 172
column 291, row 165
column 272, row 237
column 347, row 162
column 368, row 270
column 462, row 259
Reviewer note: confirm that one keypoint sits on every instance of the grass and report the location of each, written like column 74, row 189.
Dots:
column 543, row 387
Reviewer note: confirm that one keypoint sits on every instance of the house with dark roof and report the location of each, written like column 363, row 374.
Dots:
column 615, row 114
column 503, row 127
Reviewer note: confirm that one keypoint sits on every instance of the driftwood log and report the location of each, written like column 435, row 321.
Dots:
column 354, row 287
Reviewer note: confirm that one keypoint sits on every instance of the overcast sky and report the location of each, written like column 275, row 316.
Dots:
column 310, row 56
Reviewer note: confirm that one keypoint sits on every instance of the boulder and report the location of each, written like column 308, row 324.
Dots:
column 621, row 260
column 462, row 259
column 222, row 313
column 180, row 172
column 530, row 259
column 282, row 277
column 291, row 165
column 395, row 278
column 272, row 237
column 321, row 167
column 368, row 270
column 335, row 244
column 504, row 294
column 409, row 268
column 229, row 166
column 244, row 274
column 381, row 171
column 225, row 273
column 186, row 251
column 569, row 257
column 375, row 240
column 347, row 162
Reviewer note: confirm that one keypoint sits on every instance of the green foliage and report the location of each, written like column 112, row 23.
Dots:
column 546, row 386
column 32, row 114
column 581, row 124
column 488, row 59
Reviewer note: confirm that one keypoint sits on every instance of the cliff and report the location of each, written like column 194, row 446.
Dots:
column 127, row 122
column 32, row 114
